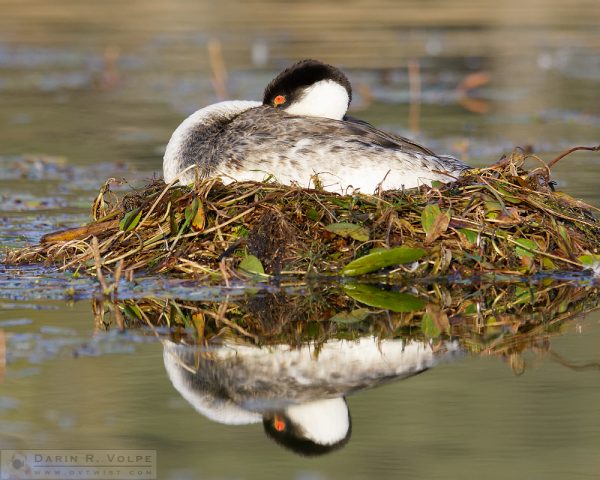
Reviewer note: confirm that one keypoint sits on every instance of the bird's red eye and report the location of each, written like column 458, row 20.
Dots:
column 278, row 100
column 278, row 424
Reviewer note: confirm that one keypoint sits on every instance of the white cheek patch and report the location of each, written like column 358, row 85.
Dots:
column 324, row 421
column 326, row 99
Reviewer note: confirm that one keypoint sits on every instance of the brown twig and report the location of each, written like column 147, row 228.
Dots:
column 574, row 366
column 117, row 276
column 79, row 232
column 571, row 150
column 98, row 265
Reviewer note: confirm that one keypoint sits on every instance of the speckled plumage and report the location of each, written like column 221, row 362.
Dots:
column 260, row 379
column 257, row 141
column 305, row 392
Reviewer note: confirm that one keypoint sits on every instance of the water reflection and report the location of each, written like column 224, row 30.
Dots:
column 288, row 359
column 297, row 392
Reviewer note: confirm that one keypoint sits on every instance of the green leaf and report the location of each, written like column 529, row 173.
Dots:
column 508, row 197
column 312, row 329
column 199, row 218
column 564, row 234
column 251, row 264
column 429, row 215
column 525, row 245
column 191, row 210
column 346, row 229
column 133, row 312
column 381, row 259
column 434, row 221
column 313, row 215
column 589, row 260
column 429, row 326
column 189, row 215
column 240, row 231
column 474, row 257
column 492, row 206
column 354, row 316
column 341, row 202
column 470, row 235
column 376, row 297
column 548, row 264
column 130, row 220
column 524, row 295
column 470, row 309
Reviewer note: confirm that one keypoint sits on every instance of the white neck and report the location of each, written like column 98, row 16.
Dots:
column 324, row 421
column 322, row 99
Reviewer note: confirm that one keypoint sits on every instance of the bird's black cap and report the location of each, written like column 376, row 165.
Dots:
column 292, row 80
column 293, row 439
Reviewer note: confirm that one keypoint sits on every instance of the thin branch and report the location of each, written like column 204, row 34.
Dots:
column 570, row 151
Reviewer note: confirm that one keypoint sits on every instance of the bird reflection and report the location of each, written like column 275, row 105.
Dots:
column 298, row 393
column 289, row 360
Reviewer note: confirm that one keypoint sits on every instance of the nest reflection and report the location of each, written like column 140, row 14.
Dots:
column 288, row 359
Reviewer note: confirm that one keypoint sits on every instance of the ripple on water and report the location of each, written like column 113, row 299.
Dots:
column 42, row 193
column 36, row 282
column 15, row 322
column 24, row 351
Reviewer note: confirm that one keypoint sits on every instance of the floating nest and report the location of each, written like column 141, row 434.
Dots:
column 501, row 219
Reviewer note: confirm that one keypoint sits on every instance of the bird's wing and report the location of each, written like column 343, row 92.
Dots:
column 269, row 124
column 395, row 139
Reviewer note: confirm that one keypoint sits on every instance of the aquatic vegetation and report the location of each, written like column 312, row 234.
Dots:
column 504, row 319
column 502, row 219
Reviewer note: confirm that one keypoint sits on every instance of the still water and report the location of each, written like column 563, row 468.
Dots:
column 67, row 384
column 90, row 90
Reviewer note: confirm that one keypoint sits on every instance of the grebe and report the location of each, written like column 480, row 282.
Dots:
column 297, row 395
column 301, row 130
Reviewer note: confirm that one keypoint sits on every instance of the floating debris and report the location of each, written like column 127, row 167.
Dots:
column 502, row 219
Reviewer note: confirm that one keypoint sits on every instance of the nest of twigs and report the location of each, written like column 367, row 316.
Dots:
column 500, row 219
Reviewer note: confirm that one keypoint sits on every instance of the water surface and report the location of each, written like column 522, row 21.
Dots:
column 91, row 90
